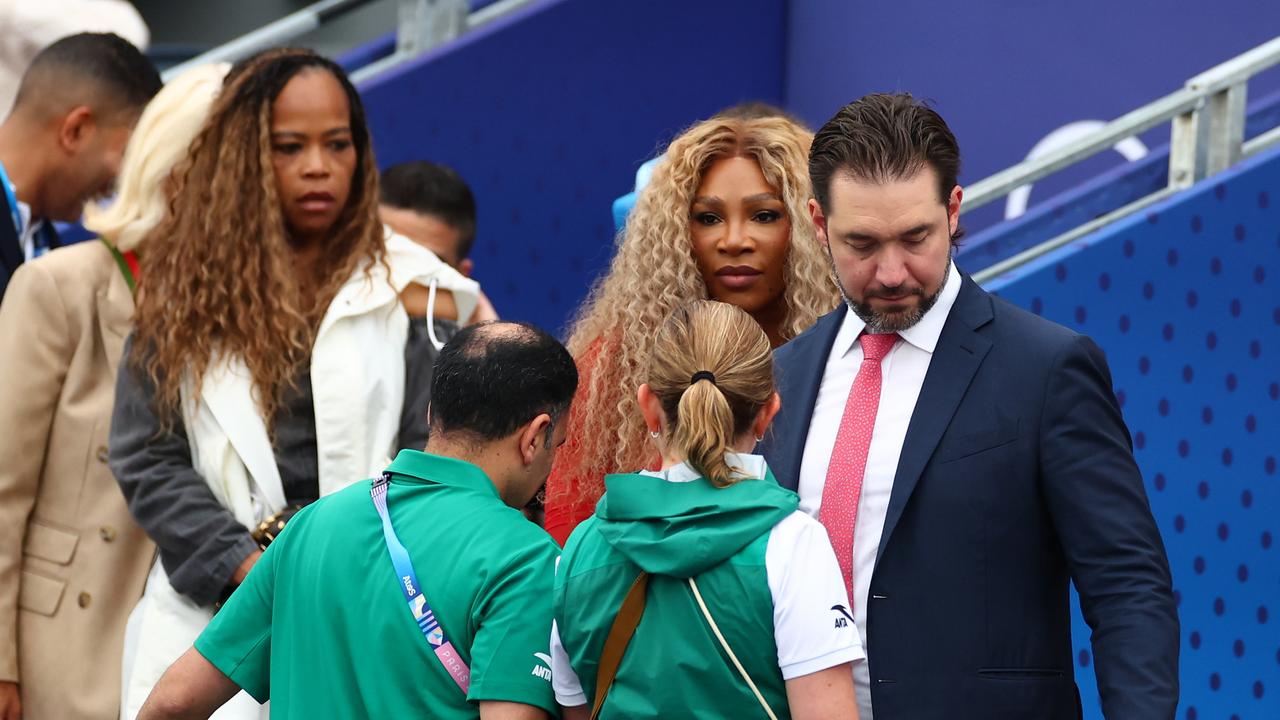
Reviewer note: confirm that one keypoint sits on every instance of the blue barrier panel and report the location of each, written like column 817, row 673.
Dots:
column 1184, row 301
column 548, row 113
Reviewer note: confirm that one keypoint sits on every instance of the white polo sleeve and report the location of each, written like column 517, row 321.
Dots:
column 812, row 619
column 564, row 681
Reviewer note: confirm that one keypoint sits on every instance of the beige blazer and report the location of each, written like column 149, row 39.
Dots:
column 72, row 561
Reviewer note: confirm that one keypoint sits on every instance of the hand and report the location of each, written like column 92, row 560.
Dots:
column 10, row 701
column 239, row 575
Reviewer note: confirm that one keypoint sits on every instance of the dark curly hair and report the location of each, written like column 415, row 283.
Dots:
column 218, row 275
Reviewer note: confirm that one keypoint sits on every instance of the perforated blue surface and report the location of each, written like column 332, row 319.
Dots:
column 1184, row 301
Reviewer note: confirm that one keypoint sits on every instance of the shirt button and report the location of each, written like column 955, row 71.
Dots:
column 107, row 533
column 102, row 454
column 84, row 599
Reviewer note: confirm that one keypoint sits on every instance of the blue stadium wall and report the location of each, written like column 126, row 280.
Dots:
column 1006, row 74
column 548, row 113
column 1184, row 301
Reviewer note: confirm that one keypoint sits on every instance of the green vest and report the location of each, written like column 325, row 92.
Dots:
column 674, row 665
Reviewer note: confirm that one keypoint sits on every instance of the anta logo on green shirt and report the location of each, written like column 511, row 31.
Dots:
column 841, row 621
column 542, row 671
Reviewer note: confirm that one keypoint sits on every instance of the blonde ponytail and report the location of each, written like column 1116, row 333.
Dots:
column 712, row 371
column 703, row 431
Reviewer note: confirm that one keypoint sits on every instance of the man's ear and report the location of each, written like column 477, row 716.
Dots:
column 533, row 438
column 76, row 129
column 953, row 209
column 819, row 220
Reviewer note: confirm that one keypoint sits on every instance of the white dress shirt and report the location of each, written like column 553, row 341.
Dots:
column 29, row 229
column 903, row 371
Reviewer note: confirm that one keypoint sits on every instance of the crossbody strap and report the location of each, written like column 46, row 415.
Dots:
column 128, row 264
column 408, row 584
column 615, row 645
column 729, row 651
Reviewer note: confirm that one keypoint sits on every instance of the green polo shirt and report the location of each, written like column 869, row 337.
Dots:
column 321, row 627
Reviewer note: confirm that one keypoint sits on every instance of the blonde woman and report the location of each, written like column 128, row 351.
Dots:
column 725, row 218
column 72, row 561
column 713, row 550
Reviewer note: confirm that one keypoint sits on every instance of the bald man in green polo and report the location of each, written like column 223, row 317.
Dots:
column 423, row 593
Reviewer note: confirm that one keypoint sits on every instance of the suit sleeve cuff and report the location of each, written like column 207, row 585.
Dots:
column 205, row 586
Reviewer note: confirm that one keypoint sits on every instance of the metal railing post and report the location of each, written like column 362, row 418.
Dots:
column 424, row 24
column 1226, row 127
column 1187, row 151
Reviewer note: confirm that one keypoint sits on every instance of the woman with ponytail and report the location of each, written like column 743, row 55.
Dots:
column 699, row 590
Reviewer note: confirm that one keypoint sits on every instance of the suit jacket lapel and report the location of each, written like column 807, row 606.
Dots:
column 11, row 255
column 799, row 378
column 51, row 233
column 115, row 314
column 955, row 361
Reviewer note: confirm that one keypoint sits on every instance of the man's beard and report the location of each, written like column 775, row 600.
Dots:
column 879, row 322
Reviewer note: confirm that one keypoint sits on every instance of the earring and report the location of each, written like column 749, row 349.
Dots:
column 759, row 439
column 655, row 434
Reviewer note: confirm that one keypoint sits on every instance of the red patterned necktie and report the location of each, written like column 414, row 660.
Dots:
column 848, row 464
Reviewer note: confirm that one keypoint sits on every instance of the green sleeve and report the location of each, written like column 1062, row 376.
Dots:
column 238, row 640
column 510, row 654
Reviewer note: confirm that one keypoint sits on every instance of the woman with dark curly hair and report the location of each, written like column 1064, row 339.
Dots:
column 272, row 360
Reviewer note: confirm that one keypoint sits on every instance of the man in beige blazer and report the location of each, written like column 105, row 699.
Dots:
column 72, row 561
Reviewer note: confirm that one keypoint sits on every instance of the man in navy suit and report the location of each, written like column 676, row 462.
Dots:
column 62, row 142
column 968, row 458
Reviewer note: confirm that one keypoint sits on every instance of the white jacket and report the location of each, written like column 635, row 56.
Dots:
column 357, row 376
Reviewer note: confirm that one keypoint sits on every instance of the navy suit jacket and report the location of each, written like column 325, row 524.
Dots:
column 1016, row 477
column 11, row 254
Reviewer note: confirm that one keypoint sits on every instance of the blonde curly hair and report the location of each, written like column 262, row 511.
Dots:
column 654, row 272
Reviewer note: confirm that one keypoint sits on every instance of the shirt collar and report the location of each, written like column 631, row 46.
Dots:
column 924, row 334
column 752, row 466
column 425, row 467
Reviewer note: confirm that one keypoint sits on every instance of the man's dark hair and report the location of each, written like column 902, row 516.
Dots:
column 124, row 79
column 880, row 138
column 494, row 377
column 432, row 189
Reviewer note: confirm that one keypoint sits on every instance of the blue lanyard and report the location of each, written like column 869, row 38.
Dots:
column 11, row 196
column 408, row 583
